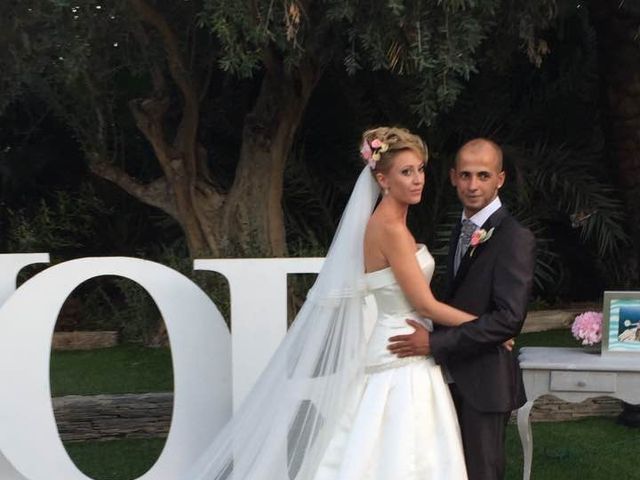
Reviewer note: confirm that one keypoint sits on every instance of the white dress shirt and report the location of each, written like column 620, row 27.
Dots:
column 483, row 215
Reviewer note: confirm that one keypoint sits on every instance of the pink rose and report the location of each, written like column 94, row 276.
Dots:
column 365, row 151
column 476, row 238
column 376, row 144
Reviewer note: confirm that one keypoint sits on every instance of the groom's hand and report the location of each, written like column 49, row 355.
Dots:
column 411, row 345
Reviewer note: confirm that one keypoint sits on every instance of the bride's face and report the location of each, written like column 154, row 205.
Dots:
column 405, row 179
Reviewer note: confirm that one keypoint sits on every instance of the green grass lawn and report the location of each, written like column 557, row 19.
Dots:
column 117, row 459
column 590, row 449
column 136, row 369
column 121, row 369
column 550, row 338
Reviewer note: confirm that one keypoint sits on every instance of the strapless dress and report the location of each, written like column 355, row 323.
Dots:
column 403, row 424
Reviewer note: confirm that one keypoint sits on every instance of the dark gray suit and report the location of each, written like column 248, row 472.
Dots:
column 494, row 282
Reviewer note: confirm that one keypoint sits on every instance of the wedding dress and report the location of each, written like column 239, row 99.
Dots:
column 331, row 405
column 402, row 424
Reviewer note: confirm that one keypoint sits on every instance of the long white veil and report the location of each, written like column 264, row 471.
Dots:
column 284, row 425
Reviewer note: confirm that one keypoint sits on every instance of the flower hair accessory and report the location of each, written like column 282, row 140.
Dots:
column 478, row 237
column 371, row 151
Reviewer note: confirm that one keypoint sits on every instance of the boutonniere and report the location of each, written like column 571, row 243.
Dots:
column 478, row 237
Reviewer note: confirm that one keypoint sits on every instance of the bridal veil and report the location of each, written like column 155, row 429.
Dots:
column 282, row 428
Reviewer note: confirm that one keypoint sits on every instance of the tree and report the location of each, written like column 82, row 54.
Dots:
column 617, row 25
column 549, row 121
column 164, row 65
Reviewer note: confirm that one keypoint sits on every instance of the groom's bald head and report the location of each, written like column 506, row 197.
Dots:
column 479, row 146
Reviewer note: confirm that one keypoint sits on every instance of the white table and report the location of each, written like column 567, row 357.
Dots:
column 573, row 375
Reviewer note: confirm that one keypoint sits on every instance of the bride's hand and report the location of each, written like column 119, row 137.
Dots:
column 509, row 344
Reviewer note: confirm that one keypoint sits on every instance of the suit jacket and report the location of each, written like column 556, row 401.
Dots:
column 494, row 282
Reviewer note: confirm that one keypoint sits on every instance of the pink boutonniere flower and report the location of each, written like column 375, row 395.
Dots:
column 478, row 237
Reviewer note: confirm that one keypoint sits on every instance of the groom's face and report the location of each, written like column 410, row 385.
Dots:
column 477, row 176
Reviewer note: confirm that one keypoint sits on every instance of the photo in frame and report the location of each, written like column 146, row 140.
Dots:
column 621, row 322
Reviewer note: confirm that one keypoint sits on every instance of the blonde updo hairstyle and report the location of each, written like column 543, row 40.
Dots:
column 397, row 139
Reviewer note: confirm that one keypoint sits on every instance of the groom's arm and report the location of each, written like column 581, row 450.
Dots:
column 512, row 281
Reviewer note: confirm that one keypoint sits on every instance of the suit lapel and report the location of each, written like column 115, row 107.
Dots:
column 492, row 222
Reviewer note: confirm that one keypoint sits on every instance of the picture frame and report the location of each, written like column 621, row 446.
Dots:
column 621, row 322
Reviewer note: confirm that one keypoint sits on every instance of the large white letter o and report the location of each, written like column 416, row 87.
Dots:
column 30, row 447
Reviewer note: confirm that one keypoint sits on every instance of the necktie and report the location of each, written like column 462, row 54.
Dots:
column 468, row 227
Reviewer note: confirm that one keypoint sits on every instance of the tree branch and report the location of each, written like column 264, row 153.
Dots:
column 157, row 77
column 149, row 114
column 179, row 72
column 189, row 124
column 156, row 193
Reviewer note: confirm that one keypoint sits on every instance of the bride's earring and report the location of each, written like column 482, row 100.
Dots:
column 386, row 191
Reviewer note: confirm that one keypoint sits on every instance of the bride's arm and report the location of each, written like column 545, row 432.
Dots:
column 400, row 250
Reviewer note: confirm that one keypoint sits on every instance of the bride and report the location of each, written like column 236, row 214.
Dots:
column 334, row 403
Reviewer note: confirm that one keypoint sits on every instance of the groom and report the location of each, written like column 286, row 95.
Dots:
column 490, row 275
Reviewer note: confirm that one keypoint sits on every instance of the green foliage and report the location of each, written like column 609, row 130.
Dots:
column 113, row 303
column 433, row 44
column 454, row 67
column 561, row 192
column 548, row 121
column 120, row 304
column 68, row 224
column 574, row 185
column 64, row 222
column 86, row 62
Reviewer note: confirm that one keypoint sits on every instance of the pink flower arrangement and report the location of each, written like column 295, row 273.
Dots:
column 587, row 327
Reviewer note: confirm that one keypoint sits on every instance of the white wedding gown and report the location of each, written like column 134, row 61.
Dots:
column 333, row 404
column 402, row 423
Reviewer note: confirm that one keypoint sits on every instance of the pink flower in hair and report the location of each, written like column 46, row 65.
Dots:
column 365, row 151
column 371, row 151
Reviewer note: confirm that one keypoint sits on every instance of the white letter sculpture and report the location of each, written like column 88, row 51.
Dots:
column 30, row 446
column 258, row 288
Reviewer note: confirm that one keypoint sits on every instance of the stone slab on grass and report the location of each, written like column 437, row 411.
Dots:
column 543, row 320
column 108, row 417
column 81, row 340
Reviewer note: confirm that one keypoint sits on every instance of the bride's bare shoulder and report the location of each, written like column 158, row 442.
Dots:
column 383, row 240
column 382, row 231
